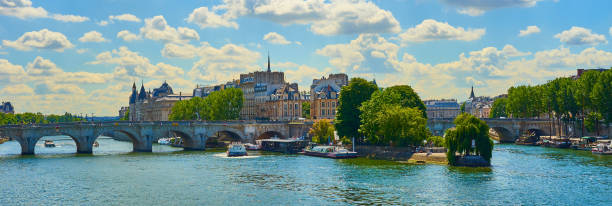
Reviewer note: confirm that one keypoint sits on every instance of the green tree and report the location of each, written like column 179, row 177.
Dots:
column 400, row 126
column 499, row 108
column 585, row 85
column 306, row 110
column 602, row 95
column 462, row 107
column 219, row 105
column 437, row 141
column 351, row 97
column 402, row 96
column 126, row 116
column 322, row 131
column 459, row 139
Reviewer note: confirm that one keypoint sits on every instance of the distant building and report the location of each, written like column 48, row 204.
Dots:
column 324, row 94
column 479, row 106
column 442, row 108
column 579, row 72
column 153, row 106
column 7, row 108
column 283, row 104
column 200, row 91
column 256, row 88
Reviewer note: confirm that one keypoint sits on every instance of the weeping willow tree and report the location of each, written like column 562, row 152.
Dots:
column 459, row 139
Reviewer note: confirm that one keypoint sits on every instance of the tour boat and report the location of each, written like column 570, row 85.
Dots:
column 163, row 141
column 250, row 146
column 236, row 150
column 49, row 143
column 603, row 149
column 334, row 152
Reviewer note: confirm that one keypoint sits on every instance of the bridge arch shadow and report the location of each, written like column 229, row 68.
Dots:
column 270, row 134
column 119, row 135
column 502, row 134
column 222, row 137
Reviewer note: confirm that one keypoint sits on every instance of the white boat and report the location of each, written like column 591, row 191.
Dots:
column 236, row 150
column 163, row 141
column 49, row 143
column 250, row 146
column 603, row 149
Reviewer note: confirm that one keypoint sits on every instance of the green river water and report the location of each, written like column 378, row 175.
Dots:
column 113, row 175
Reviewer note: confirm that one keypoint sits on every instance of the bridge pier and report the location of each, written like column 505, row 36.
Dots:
column 85, row 144
column 144, row 145
column 196, row 142
column 27, row 145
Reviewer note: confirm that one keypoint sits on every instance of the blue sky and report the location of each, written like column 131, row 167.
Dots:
column 83, row 56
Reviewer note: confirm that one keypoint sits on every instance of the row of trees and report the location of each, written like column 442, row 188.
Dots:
column 219, row 105
column 588, row 99
column 36, row 118
column 391, row 116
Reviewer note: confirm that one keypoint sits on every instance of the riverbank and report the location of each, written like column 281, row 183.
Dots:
column 3, row 140
column 424, row 158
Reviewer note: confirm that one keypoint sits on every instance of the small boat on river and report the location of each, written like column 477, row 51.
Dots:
column 49, row 143
column 250, row 146
column 603, row 148
column 163, row 141
column 236, row 150
column 334, row 152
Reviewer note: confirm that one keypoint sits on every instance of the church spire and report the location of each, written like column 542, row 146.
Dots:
column 472, row 93
column 269, row 61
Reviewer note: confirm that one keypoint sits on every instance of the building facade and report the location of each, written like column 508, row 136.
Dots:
column 442, row 108
column 284, row 104
column 256, row 88
column 479, row 106
column 153, row 106
column 324, row 94
column 7, row 108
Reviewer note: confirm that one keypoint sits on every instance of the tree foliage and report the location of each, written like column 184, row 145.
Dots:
column 219, row 105
column 499, row 108
column 36, row 118
column 459, row 139
column 401, row 96
column 126, row 116
column 306, row 110
column 322, row 131
column 351, row 97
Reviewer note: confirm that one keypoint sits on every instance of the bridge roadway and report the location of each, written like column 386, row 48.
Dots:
column 143, row 134
column 507, row 129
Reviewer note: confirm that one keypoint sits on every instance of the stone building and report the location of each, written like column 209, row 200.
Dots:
column 7, row 107
column 324, row 95
column 153, row 106
column 283, row 104
column 442, row 108
column 256, row 87
column 479, row 106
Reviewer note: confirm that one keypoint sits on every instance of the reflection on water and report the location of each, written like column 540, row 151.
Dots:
column 114, row 175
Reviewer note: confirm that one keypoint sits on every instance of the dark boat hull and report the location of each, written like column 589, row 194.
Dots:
column 332, row 155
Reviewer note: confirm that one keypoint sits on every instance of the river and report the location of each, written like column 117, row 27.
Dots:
column 114, row 175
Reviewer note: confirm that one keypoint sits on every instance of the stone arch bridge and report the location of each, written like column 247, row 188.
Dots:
column 143, row 134
column 507, row 129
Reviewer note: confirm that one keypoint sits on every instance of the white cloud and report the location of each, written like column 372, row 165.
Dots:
column 209, row 19
column 581, row 36
column 43, row 39
column 80, row 51
column 275, row 38
column 124, row 17
column 16, row 89
column 10, row 73
column 430, row 30
column 479, row 7
column 361, row 55
column 53, row 88
column 23, row 9
column 131, row 63
column 172, row 50
column 103, row 23
column 70, row 18
column 224, row 63
column 156, row 28
column 92, row 36
column 127, row 36
column 324, row 17
column 529, row 30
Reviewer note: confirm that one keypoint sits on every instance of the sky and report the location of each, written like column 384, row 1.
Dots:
column 83, row 56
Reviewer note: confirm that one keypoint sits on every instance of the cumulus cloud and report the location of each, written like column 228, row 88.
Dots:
column 10, row 73
column 131, row 63
column 103, row 23
column 275, row 38
column 70, row 18
column 23, row 9
column 580, row 36
column 362, row 54
column 157, row 28
column 43, row 39
column 430, row 30
column 124, row 17
column 128, row 36
column 17, row 89
column 479, row 7
column 324, row 17
column 52, row 88
column 529, row 30
column 92, row 36
column 205, row 18
column 222, row 64
column 80, row 51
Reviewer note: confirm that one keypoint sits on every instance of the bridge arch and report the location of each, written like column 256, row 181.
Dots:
column 503, row 134
column 270, row 134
